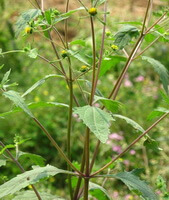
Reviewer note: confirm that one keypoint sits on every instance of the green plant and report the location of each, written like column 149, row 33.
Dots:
column 97, row 120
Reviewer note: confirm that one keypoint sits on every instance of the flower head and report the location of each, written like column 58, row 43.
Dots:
column 64, row 54
column 92, row 11
column 28, row 30
column 84, row 68
column 114, row 47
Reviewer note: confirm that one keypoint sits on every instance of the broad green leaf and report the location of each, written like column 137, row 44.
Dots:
column 18, row 101
column 160, row 69
column 47, row 14
column 72, row 11
column 28, row 178
column 165, row 97
column 110, row 62
column 79, row 42
column 125, row 35
column 111, row 105
column 97, row 120
column 33, row 106
column 33, row 53
column 5, row 78
column 80, row 56
column 30, row 195
column 23, row 20
column 98, row 192
column 157, row 113
column 134, row 183
column 39, row 83
column 2, row 162
column 150, row 143
column 134, row 124
column 35, row 159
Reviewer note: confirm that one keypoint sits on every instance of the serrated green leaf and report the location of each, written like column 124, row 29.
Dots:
column 33, row 53
column 97, row 120
column 2, row 162
column 165, row 97
column 150, row 143
column 33, row 106
column 125, row 35
column 111, row 105
column 134, row 184
column 23, row 20
column 5, row 78
column 47, row 14
column 18, row 101
column 80, row 56
column 131, row 23
column 98, row 192
column 157, row 113
column 160, row 69
column 30, row 177
column 110, row 62
column 134, row 124
column 35, row 159
column 79, row 42
column 30, row 195
column 39, row 83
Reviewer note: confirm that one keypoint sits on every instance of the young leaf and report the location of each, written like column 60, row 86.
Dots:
column 79, row 42
column 80, row 56
column 157, row 113
column 111, row 105
column 97, row 120
column 5, row 78
column 18, row 101
column 29, row 177
column 2, row 162
column 110, row 62
column 26, row 195
column 1, row 66
column 33, row 53
column 125, row 35
column 160, row 69
column 23, row 20
column 33, row 106
column 98, row 192
column 134, row 124
column 165, row 97
column 35, row 159
column 133, row 182
column 39, row 83
column 9, row 146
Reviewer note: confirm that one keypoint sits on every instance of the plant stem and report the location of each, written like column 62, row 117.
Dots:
column 86, row 188
column 70, row 125
column 57, row 147
column 21, row 168
column 131, row 145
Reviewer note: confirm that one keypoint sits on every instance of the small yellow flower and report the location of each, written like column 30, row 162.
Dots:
column 30, row 186
column 64, row 54
column 28, row 29
column 36, row 99
column 108, row 33
column 92, row 11
column 114, row 47
column 84, row 68
column 45, row 92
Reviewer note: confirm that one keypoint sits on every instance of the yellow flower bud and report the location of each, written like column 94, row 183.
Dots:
column 64, row 54
column 114, row 47
column 92, row 11
column 28, row 30
column 84, row 68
